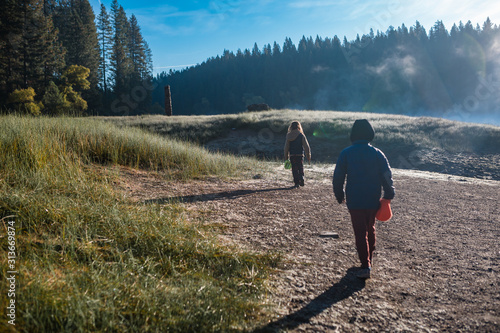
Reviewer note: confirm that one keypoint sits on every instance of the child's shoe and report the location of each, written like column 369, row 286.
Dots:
column 364, row 273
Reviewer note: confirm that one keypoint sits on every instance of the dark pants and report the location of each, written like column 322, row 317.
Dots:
column 297, row 168
column 363, row 223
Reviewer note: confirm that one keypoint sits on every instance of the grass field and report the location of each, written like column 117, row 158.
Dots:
column 393, row 132
column 91, row 260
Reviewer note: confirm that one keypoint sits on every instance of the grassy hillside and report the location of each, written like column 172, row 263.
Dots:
column 91, row 260
column 331, row 126
column 425, row 143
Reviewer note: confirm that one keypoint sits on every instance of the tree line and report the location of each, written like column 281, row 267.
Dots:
column 403, row 70
column 56, row 57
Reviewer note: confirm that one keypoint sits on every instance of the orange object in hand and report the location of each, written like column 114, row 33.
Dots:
column 384, row 213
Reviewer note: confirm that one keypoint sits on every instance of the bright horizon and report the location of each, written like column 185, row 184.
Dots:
column 185, row 33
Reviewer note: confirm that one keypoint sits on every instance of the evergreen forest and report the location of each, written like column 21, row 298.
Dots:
column 453, row 73
column 57, row 57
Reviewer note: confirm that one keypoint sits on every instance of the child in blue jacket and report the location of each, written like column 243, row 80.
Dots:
column 368, row 172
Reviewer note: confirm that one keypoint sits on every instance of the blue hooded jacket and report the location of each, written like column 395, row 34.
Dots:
column 366, row 168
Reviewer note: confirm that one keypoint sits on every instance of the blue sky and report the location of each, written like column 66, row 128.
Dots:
column 185, row 33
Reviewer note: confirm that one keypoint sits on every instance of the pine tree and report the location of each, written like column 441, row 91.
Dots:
column 53, row 52
column 256, row 51
column 53, row 100
column 49, row 7
column 11, row 27
column 105, row 35
column 120, row 62
column 40, row 51
column 276, row 49
column 140, row 56
column 90, row 47
column 76, row 22
column 39, row 38
column 137, row 51
column 149, row 61
column 31, row 55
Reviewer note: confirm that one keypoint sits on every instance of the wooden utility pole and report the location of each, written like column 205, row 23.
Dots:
column 168, row 101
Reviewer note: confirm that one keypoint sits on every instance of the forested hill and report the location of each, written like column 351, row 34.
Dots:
column 58, row 57
column 404, row 70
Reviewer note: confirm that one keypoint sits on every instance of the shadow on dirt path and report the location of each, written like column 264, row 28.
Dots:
column 225, row 195
column 341, row 290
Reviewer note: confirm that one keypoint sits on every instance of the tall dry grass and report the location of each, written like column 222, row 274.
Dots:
column 91, row 260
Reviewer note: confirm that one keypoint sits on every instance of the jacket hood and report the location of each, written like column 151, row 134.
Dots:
column 362, row 130
column 292, row 135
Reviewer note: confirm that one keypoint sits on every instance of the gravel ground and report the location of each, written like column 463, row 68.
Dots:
column 436, row 267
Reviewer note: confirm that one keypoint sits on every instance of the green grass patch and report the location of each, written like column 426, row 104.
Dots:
column 55, row 140
column 91, row 260
column 196, row 129
column 395, row 134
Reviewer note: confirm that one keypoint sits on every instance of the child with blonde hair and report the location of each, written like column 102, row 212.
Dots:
column 296, row 146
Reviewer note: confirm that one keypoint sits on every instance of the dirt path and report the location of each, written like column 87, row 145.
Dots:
column 436, row 267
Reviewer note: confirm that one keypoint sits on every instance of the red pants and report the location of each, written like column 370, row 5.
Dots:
column 363, row 223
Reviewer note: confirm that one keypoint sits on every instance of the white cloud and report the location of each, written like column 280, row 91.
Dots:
column 168, row 20
column 450, row 11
